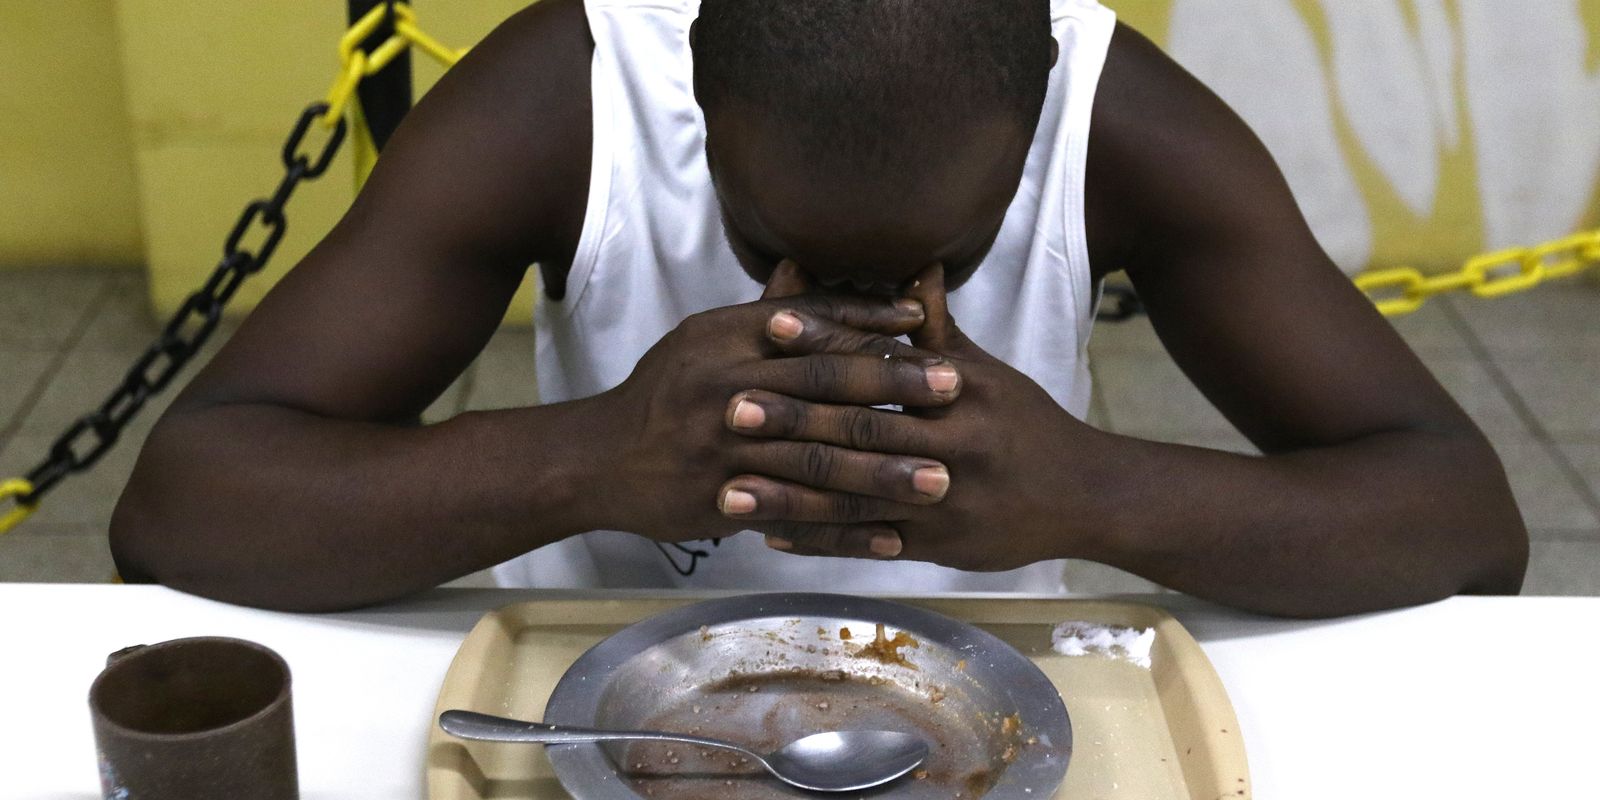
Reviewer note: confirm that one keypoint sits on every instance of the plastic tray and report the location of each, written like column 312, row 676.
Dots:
column 1162, row 732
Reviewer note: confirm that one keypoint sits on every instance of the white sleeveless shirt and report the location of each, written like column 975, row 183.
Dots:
column 652, row 252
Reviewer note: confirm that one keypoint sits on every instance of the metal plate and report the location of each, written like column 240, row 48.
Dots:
column 763, row 670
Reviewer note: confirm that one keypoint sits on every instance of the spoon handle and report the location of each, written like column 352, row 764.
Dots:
column 484, row 727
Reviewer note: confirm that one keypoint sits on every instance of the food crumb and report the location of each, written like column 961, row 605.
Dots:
column 887, row 649
column 705, row 633
column 920, row 775
column 844, row 633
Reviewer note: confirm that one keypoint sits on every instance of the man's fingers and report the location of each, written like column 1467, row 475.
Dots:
column 756, row 497
column 917, row 481
column 857, row 379
column 843, row 541
column 874, row 314
column 799, row 333
column 787, row 281
column 880, row 546
column 774, row 416
column 939, row 333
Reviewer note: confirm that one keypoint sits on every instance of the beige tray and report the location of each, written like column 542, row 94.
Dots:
column 1162, row 733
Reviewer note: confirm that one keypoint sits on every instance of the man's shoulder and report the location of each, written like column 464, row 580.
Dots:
column 1150, row 115
column 533, row 74
column 548, row 21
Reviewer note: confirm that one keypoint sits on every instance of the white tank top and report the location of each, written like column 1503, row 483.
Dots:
column 652, row 252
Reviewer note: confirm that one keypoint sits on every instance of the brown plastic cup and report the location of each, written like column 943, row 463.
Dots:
column 195, row 718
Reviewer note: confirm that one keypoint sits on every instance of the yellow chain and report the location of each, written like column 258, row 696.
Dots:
column 356, row 64
column 16, row 489
column 1402, row 290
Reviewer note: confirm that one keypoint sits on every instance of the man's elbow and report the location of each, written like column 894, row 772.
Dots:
column 134, row 536
column 1501, row 543
column 153, row 536
column 1505, row 561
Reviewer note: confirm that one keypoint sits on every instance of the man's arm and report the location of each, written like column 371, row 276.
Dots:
column 290, row 472
column 1376, row 490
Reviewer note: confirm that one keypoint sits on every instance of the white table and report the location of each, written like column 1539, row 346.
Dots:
column 1469, row 698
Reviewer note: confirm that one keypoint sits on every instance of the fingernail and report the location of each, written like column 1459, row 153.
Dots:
column 932, row 481
column 779, row 544
column 886, row 545
column 735, row 501
column 943, row 378
column 748, row 415
column 785, row 326
column 909, row 306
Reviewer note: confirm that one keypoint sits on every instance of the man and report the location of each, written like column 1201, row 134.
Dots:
column 663, row 162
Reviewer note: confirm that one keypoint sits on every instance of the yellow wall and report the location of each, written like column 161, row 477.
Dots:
column 67, row 191
column 1412, row 131
column 135, row 130
column 213, row 89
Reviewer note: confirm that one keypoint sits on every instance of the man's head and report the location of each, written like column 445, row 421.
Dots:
column 866, row 139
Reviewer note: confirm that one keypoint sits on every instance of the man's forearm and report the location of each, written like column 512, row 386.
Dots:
column 1387, row 520
column 274, row 507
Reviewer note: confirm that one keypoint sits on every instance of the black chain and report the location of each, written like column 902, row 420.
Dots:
column 88, row 439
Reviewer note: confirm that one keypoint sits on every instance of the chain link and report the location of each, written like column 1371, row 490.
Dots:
column 356, row 64
column 263, row 221
column 92, row 435
column 1402, row 290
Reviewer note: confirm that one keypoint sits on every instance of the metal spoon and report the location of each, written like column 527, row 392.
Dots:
column 837, row 761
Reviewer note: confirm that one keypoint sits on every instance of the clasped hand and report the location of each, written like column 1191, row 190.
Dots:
column 762, row 417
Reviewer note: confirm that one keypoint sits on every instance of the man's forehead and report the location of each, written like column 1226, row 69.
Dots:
column 848, row 224
column 840, row 224
column 848, row 237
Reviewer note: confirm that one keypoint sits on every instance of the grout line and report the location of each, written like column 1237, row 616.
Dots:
column 1565, row 535
column 80, row 328
column 1524, row 412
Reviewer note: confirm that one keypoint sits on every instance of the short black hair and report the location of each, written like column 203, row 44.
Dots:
column 861, row 83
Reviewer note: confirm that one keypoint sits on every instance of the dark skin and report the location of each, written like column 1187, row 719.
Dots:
column 290, row 474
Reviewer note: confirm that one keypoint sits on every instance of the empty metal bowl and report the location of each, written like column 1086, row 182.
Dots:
column 763, row 670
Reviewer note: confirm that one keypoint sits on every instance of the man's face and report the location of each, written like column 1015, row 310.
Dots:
column 855, row 235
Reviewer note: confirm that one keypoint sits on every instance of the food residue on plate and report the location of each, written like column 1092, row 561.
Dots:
column 887, row 649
